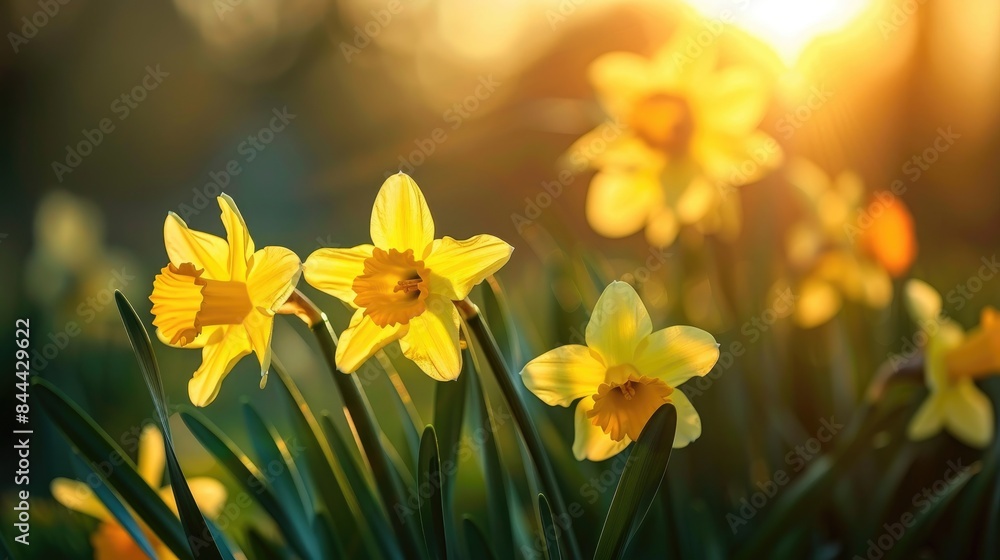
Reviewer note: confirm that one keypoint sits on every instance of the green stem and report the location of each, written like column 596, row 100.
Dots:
column 529, row 434
column 360, row 414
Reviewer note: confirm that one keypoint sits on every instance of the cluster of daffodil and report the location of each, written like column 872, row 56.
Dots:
column 222, row 296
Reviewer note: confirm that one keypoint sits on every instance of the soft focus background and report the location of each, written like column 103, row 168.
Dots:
column 316, row 101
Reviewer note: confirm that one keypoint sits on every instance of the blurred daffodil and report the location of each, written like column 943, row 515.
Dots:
column 111, row 541
column 220, row 296
column 403, row 285
column 682, row 134
column 952, row 360
column 624, row 373
column 849, row 247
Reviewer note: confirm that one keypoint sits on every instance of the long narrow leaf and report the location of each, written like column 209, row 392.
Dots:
column 429, row 477
column 550, row 533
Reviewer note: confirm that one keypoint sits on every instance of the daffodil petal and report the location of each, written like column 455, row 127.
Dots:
column 922, row 301
column 78, row 496
column 432, row 340
column 818, row 302
column 208, row 493
column 152, row 456
column 240, row 244
column 273, row 274
column 203, row 250
column 662, row 227
column 589, row 441
column 401, row 219
column 734, row 99
column 619, row 203
column 618, row 324
column 260, row 327
column 737, row 160
column 676, row 354
column 362, row 339
column 619, row 78
column 334, row 270
column 217, row 359
column 688, row 421
column 968, row 414
column 457, row 266
column 928, row 420
column 199, row 341
column 562, row 375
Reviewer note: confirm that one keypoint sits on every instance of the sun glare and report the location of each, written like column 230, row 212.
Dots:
column 787, row 25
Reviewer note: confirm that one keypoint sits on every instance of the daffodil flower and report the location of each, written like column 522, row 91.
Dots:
column 403, row 285
column 952, row 360
column 682, row 134
column 624, row 373
column 849, row 246
column 220, row 296
column 111, row 541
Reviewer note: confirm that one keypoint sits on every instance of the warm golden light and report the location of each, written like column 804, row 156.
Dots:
column 787, row 25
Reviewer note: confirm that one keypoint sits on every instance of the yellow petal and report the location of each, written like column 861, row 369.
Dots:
column 737, row 160
column 457, row 266
column 589, row 441
column 818, row 302
column 273, row 274
column 259, row 327
column 620, row 79
column 334, row 270
column 618, row 324
column 78, row 496
column 432, row 340
column 733, row 100
column 562, row 375
column 698, row 199
column 240, row 245
column 203, row 250
column 209, row 494
column 362, row 339
column 662, row 227
column 198, row 342
column 676, row 354
column 218, row 357
column 152, row 456
column 922, row 301
column 944, row 337
column 928, row 420
column 619, row 203
column 968, row 414
column 688, row 421
column 401, row 219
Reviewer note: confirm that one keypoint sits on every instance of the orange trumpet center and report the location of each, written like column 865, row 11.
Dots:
column 664, row 122
column 623, row 409
column 184, row 302
column 393, row 288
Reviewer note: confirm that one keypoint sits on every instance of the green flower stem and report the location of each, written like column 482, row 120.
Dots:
column 360, row 413
column 529, row 434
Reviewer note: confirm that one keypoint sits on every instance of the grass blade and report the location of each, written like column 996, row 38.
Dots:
column 641, row 478
column 475, row 541
column 268, row 446
column 203, row 544
column 429, row 476
column 550, row 533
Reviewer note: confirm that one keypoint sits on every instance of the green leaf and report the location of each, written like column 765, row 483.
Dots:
column 475, row 541
column 640, row 480
column 199, row 536
column 327, row 475
column 497, row 313
column 449, row 411
column 252, row 480
column 550, row 533
column 429, row 477
column 109, row 461
column 279, row 465
column 329, row 542
column 114, row 505
column 924, row 520
column 263, row 548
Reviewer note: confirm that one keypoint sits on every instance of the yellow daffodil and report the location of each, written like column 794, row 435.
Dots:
column 952, row 360
column 403, row 285
column 111, row 541
column 624, row 373
column 850, row 245
column 220, row 296
column 682, row 134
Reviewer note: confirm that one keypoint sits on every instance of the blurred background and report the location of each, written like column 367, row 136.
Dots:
column 117, row 112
